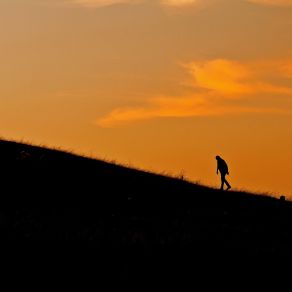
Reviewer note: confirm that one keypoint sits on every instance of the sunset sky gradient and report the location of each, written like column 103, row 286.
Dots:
column 163, row 85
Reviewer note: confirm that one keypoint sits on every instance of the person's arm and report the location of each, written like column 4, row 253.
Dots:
column 217, row 167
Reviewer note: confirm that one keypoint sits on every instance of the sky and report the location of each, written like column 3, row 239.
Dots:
column 161, row 85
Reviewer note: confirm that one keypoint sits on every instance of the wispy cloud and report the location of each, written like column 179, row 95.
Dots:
column 178, row 107
column 237, row 78
column 157, row 108
column 215, row 84
column 273, row 2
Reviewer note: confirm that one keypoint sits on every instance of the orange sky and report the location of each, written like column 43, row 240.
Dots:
column 160, row 85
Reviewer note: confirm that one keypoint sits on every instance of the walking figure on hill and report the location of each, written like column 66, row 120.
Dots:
column 223, row 168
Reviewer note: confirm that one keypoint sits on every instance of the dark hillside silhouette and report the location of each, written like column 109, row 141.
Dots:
column 133, row 216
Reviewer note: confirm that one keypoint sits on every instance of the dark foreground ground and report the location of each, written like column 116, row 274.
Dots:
column 136, row 220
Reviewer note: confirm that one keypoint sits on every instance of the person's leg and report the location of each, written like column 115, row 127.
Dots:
column 222, row 181
column 227, row 183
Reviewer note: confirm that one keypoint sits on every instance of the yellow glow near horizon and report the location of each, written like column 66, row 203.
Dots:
column 160, row 85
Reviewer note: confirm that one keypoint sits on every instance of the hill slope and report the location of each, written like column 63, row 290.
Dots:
column 48, row 194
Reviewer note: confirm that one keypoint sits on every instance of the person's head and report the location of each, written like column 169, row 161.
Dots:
column 218, row 157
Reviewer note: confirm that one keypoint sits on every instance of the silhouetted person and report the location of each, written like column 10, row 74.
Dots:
column 223, row 168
